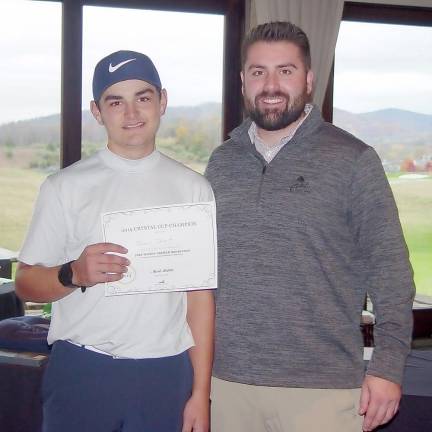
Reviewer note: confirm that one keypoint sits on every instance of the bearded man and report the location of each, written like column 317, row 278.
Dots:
column 307, row 225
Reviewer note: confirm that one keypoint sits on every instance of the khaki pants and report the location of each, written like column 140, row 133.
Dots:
column 246, row 408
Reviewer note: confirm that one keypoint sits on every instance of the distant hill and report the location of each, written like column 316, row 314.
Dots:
column 47, row 129
column 191, row 132
column 385, row 125
column 394, row 133
column 209, row 114
column 407, row 119
column 188, row 134
column 27, row 132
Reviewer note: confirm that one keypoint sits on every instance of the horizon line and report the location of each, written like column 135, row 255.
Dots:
column 220, row 103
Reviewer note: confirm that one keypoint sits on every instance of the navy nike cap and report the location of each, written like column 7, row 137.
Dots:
column 122, row 66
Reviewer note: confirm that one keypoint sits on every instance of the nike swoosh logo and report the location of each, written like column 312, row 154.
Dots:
column 112, row 68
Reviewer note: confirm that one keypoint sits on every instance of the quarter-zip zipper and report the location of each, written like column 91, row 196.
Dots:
column 263, row 172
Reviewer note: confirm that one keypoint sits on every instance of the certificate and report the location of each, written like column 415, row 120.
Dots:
column 170, row 248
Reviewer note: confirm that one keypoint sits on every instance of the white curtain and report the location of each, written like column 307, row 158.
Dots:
column 320, row 20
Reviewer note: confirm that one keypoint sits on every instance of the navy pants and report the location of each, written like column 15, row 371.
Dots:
column 87, row 391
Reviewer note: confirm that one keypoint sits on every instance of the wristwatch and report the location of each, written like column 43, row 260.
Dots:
column 65, row 275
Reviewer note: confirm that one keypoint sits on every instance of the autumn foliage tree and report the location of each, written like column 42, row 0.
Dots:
column 408, row 165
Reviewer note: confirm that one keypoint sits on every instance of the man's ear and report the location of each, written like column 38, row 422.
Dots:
column 163, row 101
column 96, row 112
column 309, row 81
column 242, row 81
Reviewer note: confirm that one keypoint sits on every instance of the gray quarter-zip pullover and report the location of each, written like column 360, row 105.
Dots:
column 301, row 241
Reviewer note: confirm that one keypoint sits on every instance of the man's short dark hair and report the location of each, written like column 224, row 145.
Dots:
column 278, row 31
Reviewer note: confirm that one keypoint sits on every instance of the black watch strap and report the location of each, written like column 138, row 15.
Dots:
column 65, row 275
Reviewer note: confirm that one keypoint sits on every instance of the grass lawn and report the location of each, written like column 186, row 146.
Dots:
column 18, row 190
column 414, row 201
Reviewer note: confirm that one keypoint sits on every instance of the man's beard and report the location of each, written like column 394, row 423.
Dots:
column 272, row 119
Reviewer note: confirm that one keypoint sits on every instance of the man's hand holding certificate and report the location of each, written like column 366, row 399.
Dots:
column 170, row 248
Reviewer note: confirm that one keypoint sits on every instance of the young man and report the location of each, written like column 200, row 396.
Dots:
column 129, row 362
column 307, row 225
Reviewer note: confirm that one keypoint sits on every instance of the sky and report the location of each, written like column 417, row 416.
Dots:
column 377, row 66
column 186, row 48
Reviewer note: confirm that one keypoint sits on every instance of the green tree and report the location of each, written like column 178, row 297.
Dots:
column 9, row 146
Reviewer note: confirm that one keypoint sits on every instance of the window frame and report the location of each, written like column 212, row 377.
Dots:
column 71, row 61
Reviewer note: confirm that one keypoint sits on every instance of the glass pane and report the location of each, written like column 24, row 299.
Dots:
column 29, row 120
column 383, row 93
column 187, row 49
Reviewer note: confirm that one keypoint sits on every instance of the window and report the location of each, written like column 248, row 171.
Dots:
column 190, row 68
column 29, row 114
column 233, row 12
column 45, row 63
column 382, row 93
